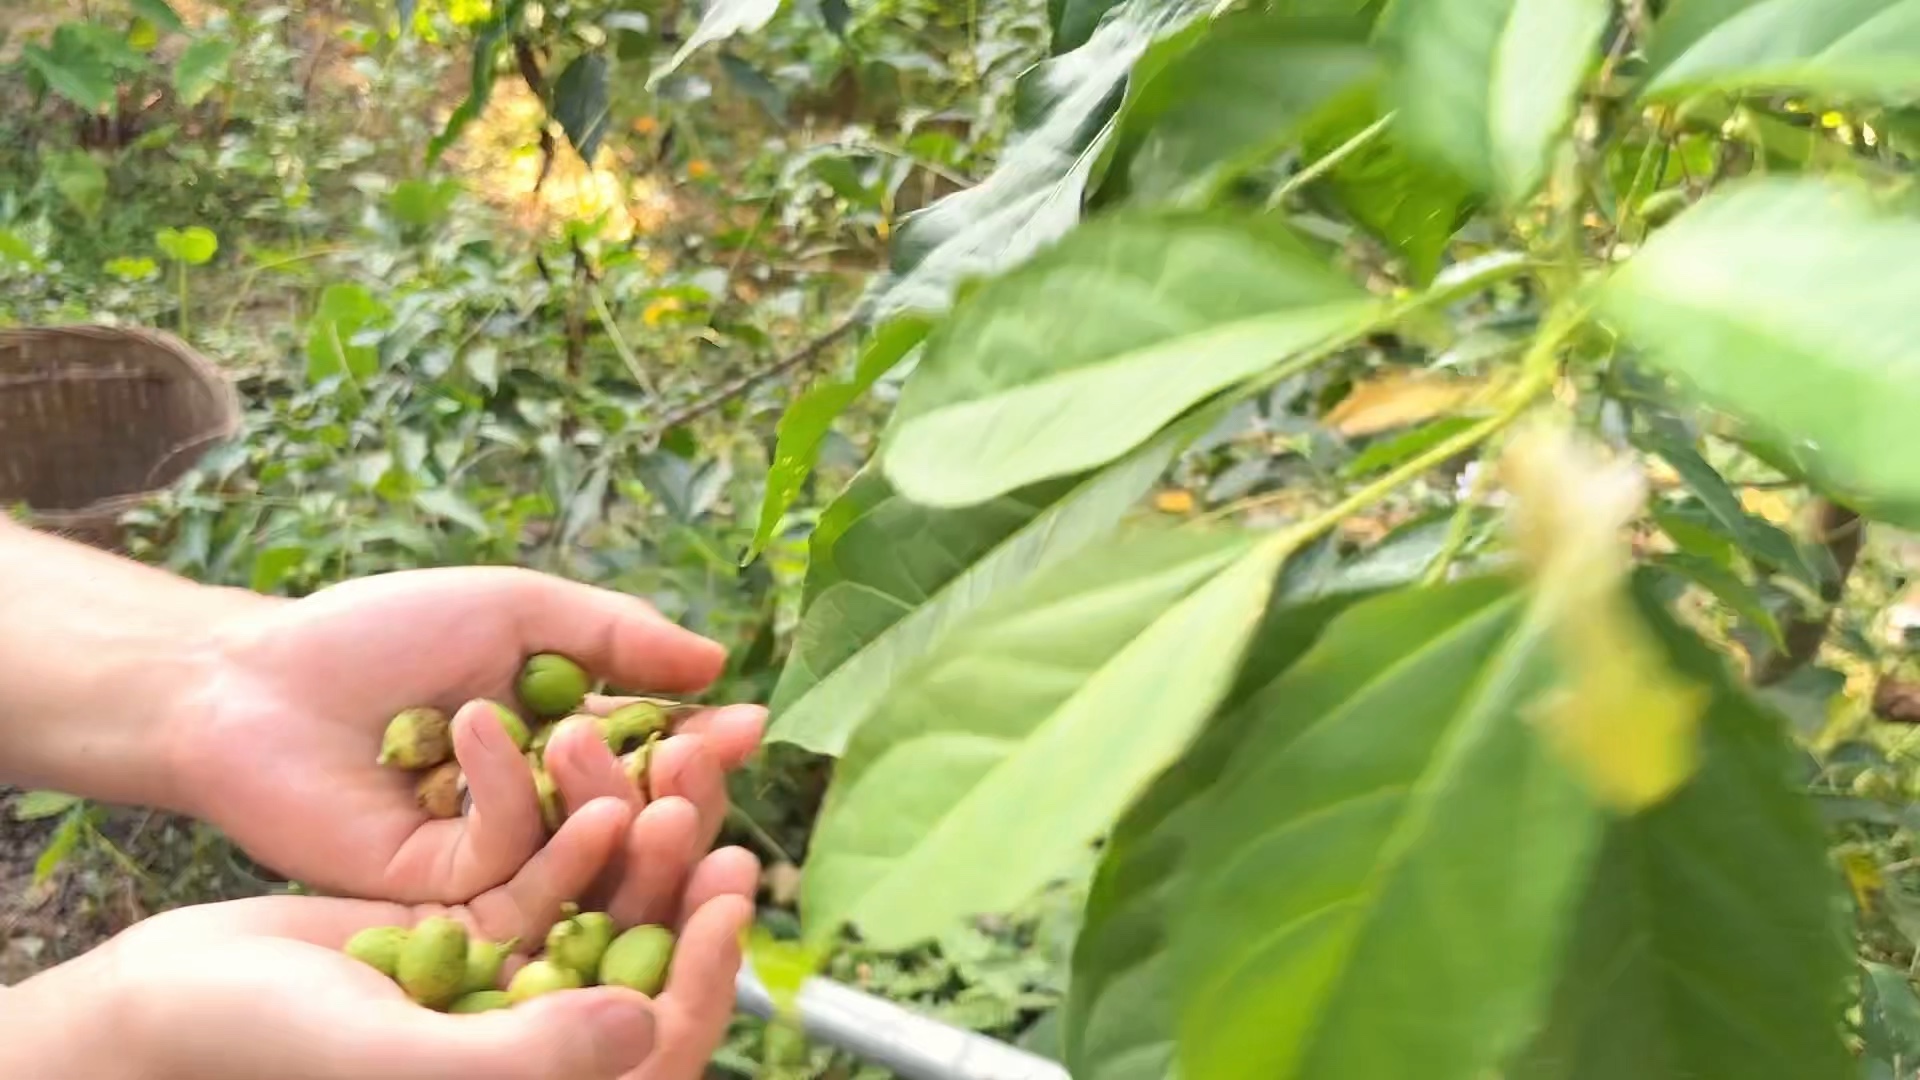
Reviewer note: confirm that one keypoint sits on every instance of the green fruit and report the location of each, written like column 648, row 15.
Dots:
column 433, row 963
column 633, row 723
column 484, row 959
column 516, row 727
column 638, row 959
column 552, row 685
column 416, row 739
column 481, row 1001
column 579, row 942
column 541, row 977
column 378, row 946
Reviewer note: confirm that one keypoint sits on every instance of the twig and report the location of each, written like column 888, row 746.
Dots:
column 1329, row 161
column 728, row 391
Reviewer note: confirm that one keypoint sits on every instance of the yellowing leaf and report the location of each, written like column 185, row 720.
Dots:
column 1772, row 505
column 1862, row 872
column 1621, row 717
column 1398, row 400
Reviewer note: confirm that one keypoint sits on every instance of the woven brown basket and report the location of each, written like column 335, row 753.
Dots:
column 94, row 419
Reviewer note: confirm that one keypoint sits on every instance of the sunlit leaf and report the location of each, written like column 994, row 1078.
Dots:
column 343, row 312
column 1055, row 704
column 60, row 845
column 1088, row 350
column 489, row 43
column 807, row 421
column 34, row 805
column 858, row 635
column 1849, row 48
column 1487, row 87
column 193, row 246
column 719, row 20
column 1386, row 869
column 1779, row 302
column 79, row 178
column 160, row 14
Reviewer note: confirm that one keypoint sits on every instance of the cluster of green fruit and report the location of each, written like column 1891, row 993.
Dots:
column 552, row 688
column 443, row 967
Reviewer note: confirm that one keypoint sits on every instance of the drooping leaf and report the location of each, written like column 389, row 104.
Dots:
column 1085, row 352
column 582, row 98
column 719, row 20
column 203, row 65
column 343, row 312
column 1062, row 110
column 1224, row 95
column 1761, row 539
column 488, row 44
column 1410, row 207
column 807, row 421
column 421, row 203
column 194, row 246
column 73, row 67
column 1709, row 943
column 1382, row 878
column 1486, row 87
column 1772, row 300
column 855, row 641
column 1850, row 48
column 1055, row 704
column 1117, row 1023
column 1728, row 588
column 34, row 805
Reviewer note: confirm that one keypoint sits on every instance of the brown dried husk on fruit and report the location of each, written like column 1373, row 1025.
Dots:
column 439, row 790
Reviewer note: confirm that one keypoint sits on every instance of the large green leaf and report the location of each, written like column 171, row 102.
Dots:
column 1852, row 48
column 77, row 64
column 1710, row 942
column 1782, row 302
column 1116, row 1020
column 1084, row 353
column 1381, row 881
column 1685, row 22
column 856, row 640
column 719, row 20
column 344, row 311
column 201, row 67
column 1062, row 113
column 582, row 99
column 1487, row 87
column 1015, row 744
column 1222, row 96
column 1410, row 207
column 1762, row 540
column 804, row 426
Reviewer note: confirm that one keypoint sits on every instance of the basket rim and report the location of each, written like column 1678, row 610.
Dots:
column 197, row 368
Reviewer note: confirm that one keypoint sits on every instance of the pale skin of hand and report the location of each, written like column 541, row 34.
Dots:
column 259, row 987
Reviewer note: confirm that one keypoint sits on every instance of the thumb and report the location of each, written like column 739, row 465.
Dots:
column 600, row 1033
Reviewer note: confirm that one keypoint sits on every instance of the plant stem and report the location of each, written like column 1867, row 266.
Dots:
column 1329, row 161
column 627, row 355
column 181, row 276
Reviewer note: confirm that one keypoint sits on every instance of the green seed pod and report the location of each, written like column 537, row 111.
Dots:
column 516, row 727
column 481, row 1001
column 551, row 813
column 1663, row 206
column 632, row 723
column 439, row 789
column 638, row 959
column 552, row 685
column 433, row 963
column 579, row 942
column 416, row 739
column 484, row 959
column 378, row 946
column 542, row 977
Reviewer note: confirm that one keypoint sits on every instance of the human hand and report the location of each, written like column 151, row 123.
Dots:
column 259, row 987
column 277, row 746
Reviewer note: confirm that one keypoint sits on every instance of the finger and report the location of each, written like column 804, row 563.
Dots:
column 584, row 769
column 731, row 734
column 563, row 871
column 593, row 1034
column 661, row 846
column 503, row 827
column 698, row 999
column 683, row 766
column 730, row 871
column 619, row 638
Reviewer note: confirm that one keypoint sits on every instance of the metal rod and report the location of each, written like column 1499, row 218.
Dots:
column 882, row 1033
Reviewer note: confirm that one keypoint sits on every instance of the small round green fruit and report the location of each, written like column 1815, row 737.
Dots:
column 638, row 959
column 416, row 739
column 481, row 1001
column 579, row 942
column 379, row 947
column 432, row 966
column 542, row 977
column 552, row 685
